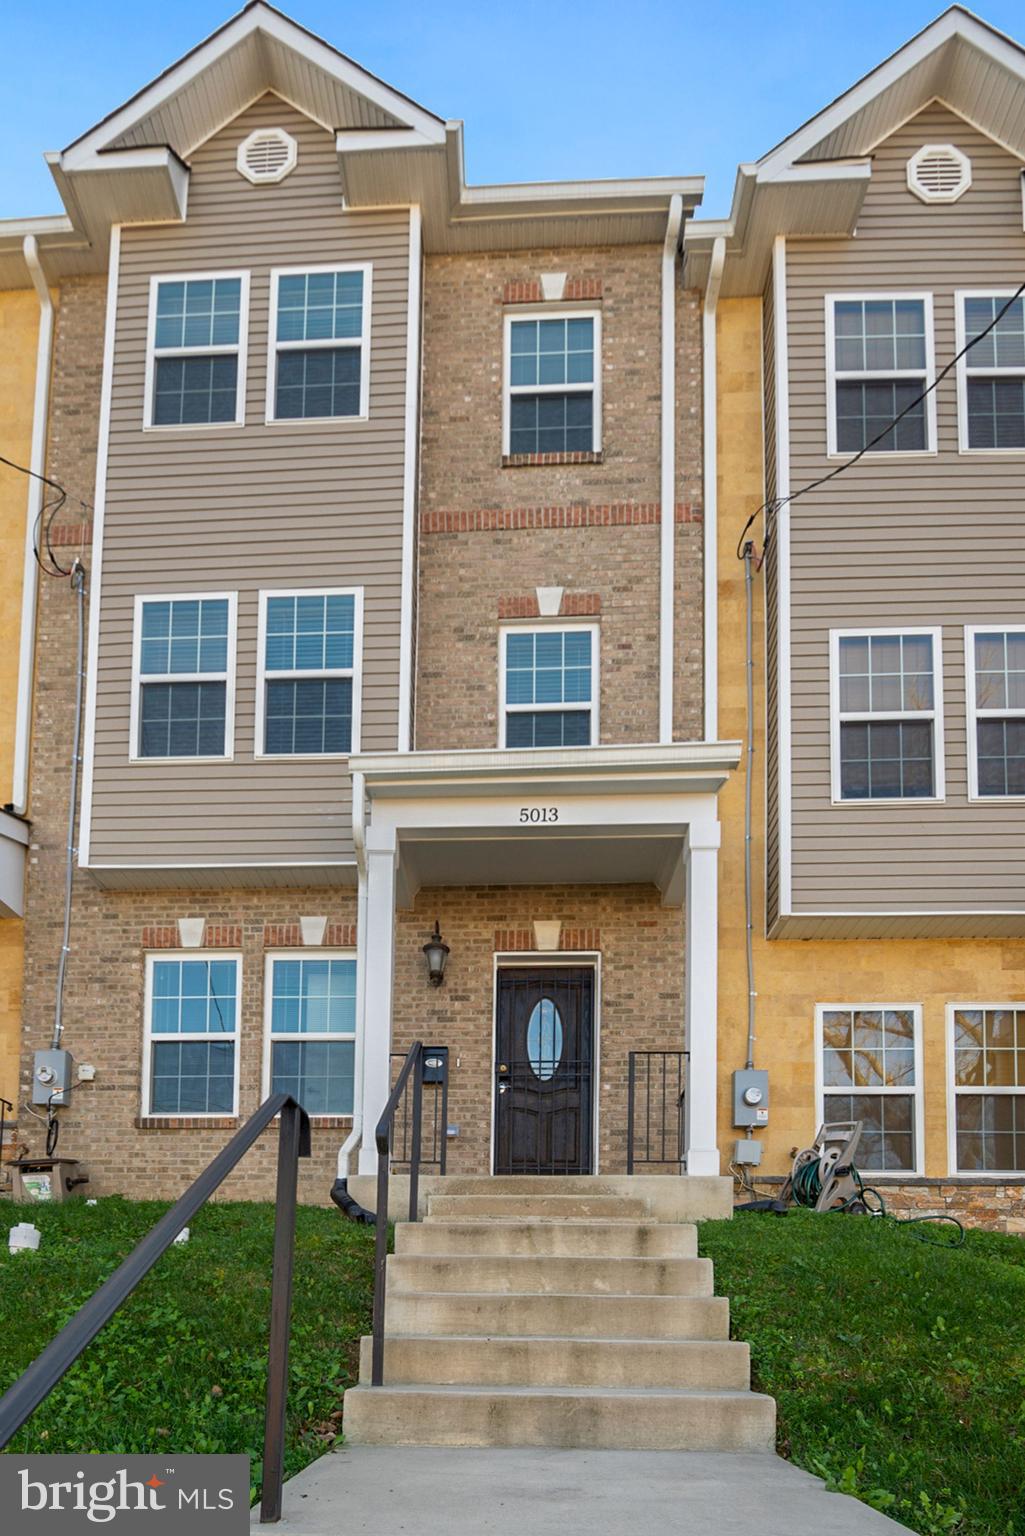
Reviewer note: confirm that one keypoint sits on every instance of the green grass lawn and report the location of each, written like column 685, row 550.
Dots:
column 898, row 1368
column 182, row 1365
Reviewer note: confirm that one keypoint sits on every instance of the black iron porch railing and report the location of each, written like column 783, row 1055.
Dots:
column 411, row 1073
column 23, row 1398
column 434, row 1112
column 656, row 1088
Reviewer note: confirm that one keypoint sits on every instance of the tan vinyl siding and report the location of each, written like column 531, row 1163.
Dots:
column 771, row 621
column 245, row 508
column 936, row 540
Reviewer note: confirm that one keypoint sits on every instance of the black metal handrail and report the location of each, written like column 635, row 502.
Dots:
column 413, row 1064
column 660, row 1078
column 21, row 1400
column 434, row 1145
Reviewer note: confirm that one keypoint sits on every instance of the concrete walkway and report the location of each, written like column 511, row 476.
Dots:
column 429, row 1492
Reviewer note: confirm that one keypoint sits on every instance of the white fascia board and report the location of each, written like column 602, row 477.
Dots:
column 816, row 171
column 953, row 23
column 256, row 18
column 364, row 140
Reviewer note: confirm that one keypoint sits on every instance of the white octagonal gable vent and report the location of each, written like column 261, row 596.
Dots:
column 939, row 173
column 267, row 155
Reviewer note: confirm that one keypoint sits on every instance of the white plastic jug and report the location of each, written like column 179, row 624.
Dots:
column 24, row 1238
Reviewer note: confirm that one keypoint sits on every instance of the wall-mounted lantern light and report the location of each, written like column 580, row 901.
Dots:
column 436, row 952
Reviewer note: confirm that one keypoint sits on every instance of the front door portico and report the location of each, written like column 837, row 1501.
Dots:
column 586, row 816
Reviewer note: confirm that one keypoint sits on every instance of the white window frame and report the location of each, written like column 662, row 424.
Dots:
column 975, row 714
column 537, row 626
column 227, row 677
column 823, row 1094
column 551, row 312
column 270, row 1038
column 935, row 715
column 965, row 369
column 328, row 343
column 954, row 1090
column 240, row 349
column 835, row 376
column 148, row 1037
column 309, row 675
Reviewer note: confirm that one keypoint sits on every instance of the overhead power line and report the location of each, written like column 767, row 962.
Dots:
column 773, row 505
column 45, row 518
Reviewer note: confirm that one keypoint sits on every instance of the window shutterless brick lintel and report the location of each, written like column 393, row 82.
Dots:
column 572, row 940
column 290, row 936
column 215, row 936
column 529, row 291
column 619, row 514
column 573, row 605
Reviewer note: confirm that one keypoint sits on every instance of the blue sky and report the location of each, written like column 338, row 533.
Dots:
column 654, row 87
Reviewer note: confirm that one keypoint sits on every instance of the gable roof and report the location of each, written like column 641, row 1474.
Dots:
column 814, row 181
column 258, row 49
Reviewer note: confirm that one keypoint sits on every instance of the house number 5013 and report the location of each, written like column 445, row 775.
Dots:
column 539, row 813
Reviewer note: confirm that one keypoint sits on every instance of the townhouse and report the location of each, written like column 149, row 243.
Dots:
column 860, row 257
column 415, row 683
column 396, row 626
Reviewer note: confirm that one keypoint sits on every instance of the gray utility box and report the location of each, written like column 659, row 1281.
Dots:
column 750, row 1097
column 51, row 1077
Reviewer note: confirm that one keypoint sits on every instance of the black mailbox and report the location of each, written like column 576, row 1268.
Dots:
column 435, row 1063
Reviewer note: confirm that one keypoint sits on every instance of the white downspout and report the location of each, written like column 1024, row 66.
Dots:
column 30, row 577
column 667, row 573
column 710, row 501
column 355, row 1136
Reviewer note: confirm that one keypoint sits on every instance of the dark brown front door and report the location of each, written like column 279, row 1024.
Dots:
column 543, row 1070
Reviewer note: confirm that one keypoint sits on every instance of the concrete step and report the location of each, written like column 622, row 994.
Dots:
column 532, row 1184
column 536, row 1207
column 602, row 1239
column 569, row 1315
column 586, row 1417
column 541, row 1276
column 543, row 1362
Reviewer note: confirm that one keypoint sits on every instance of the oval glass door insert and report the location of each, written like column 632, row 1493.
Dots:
column 544, row 1039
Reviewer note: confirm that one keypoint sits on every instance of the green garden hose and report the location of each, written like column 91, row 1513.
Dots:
column 806, row 1187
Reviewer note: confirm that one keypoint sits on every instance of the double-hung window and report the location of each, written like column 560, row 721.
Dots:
column 986, row 1054
column 308, row 692
column 311, row 1031
column 886, row 722
column 196, row 354
column 991, row 374
column 190, row 1066
column 879, row 360
column 549, row 687
column 319, row 364
column 183, row 692
column 868, row 1068
column 995, row 671
column 552, row 397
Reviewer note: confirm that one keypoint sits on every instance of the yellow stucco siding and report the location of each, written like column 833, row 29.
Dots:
column 19, row 328
column 791, row 977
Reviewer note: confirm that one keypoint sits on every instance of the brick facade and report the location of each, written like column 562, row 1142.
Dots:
column 641, row 995
column 592, row 528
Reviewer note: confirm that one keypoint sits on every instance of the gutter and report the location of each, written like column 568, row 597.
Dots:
column 30, row 578
column 710, row 508
column 339, row 1190
column 667, row 526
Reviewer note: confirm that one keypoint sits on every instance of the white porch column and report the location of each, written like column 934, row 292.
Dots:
column 379, row 941
column 701, row 984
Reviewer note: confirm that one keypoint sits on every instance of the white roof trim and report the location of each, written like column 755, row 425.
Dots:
column 257, row 17
column 953, row 23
